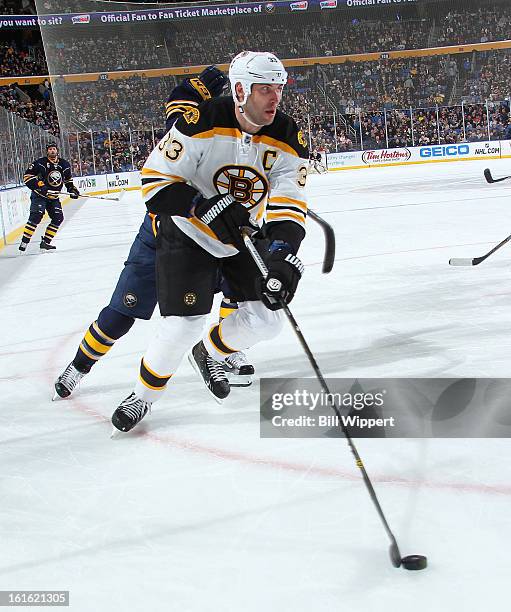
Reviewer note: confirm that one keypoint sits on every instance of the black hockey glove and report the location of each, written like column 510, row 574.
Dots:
column 284, row 272
column 214, row 79
column 224, row 216
column 73, row 192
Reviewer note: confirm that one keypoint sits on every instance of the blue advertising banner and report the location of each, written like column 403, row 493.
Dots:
column 193, row 12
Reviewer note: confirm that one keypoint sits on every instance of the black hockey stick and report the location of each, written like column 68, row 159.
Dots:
column 461, row 261
column 84, row 195
column 490, row 179
column 329, row 257
column 395, row 555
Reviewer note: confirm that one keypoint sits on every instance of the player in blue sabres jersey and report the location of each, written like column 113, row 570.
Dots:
column 45, row 177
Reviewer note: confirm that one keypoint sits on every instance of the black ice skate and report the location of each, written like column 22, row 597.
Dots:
column 67, row 381
column 239, row 370
column 211, row 372
column 22, row 247
column 46, row 246
column 129, row 412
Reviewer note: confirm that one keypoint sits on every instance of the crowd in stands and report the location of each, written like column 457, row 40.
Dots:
column 491, row 79
column 338, row 104
column 111, row 151
column 17, row 7
column 135, row 102
column 105, row 54
column 395, row 83
column 21, row 60
column 186, row 45
column 38, row 109
column 310, row 40
column 474, row 26
column 363, row 36
column 405, row 128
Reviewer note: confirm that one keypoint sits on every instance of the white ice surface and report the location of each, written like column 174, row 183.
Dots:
column 193, row 512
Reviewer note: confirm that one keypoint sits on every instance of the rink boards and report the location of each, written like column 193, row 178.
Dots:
column 15, row 200
column 465, row 151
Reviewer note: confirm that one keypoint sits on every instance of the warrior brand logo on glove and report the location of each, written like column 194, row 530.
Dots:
column 274, row 284
column 224, row 216
column 284, row 272
column 216, row 209
column 294, row 261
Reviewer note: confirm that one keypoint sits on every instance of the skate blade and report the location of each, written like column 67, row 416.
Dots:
column 115, row 431
column 237, row 380
column 196, row 368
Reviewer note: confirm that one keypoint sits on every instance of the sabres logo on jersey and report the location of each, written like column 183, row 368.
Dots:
column 243, row 183
column 54, row 178
column 301, row 138
column 192, row 116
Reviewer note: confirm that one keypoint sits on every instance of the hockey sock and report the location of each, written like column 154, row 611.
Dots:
column 215, row 344
column 50, row 232
column 28, row 232
column 164, row 354
column 151, row 379
column 227, row 307
column 100, row 337
column 250, row 324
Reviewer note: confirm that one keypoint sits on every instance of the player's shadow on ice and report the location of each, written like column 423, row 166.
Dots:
column 393, row 348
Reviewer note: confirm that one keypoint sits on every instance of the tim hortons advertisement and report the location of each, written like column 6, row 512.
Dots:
column 384, row 156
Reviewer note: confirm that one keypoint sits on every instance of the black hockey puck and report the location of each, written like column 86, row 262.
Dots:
column 414, row 562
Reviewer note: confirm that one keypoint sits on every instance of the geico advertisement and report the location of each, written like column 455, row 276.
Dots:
column 471, row 149
column 444, row 150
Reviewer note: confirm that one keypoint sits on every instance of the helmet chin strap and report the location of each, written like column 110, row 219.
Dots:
column 245, row 116
column 241, row 108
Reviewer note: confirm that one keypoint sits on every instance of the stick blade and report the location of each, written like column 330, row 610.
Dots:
column 461, row 261
column 329, row 235
column 122, row 193
column 329, row 259
column 395, row 555
column 488, row 176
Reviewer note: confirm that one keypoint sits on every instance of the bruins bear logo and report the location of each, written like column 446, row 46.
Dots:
column 301, row 139
column 190, row 298
column 243, row 183
column 192, row 116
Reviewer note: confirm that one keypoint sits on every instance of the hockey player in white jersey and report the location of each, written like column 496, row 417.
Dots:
column 231, row 163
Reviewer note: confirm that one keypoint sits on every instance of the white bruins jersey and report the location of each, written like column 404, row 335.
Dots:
column 206, row 149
